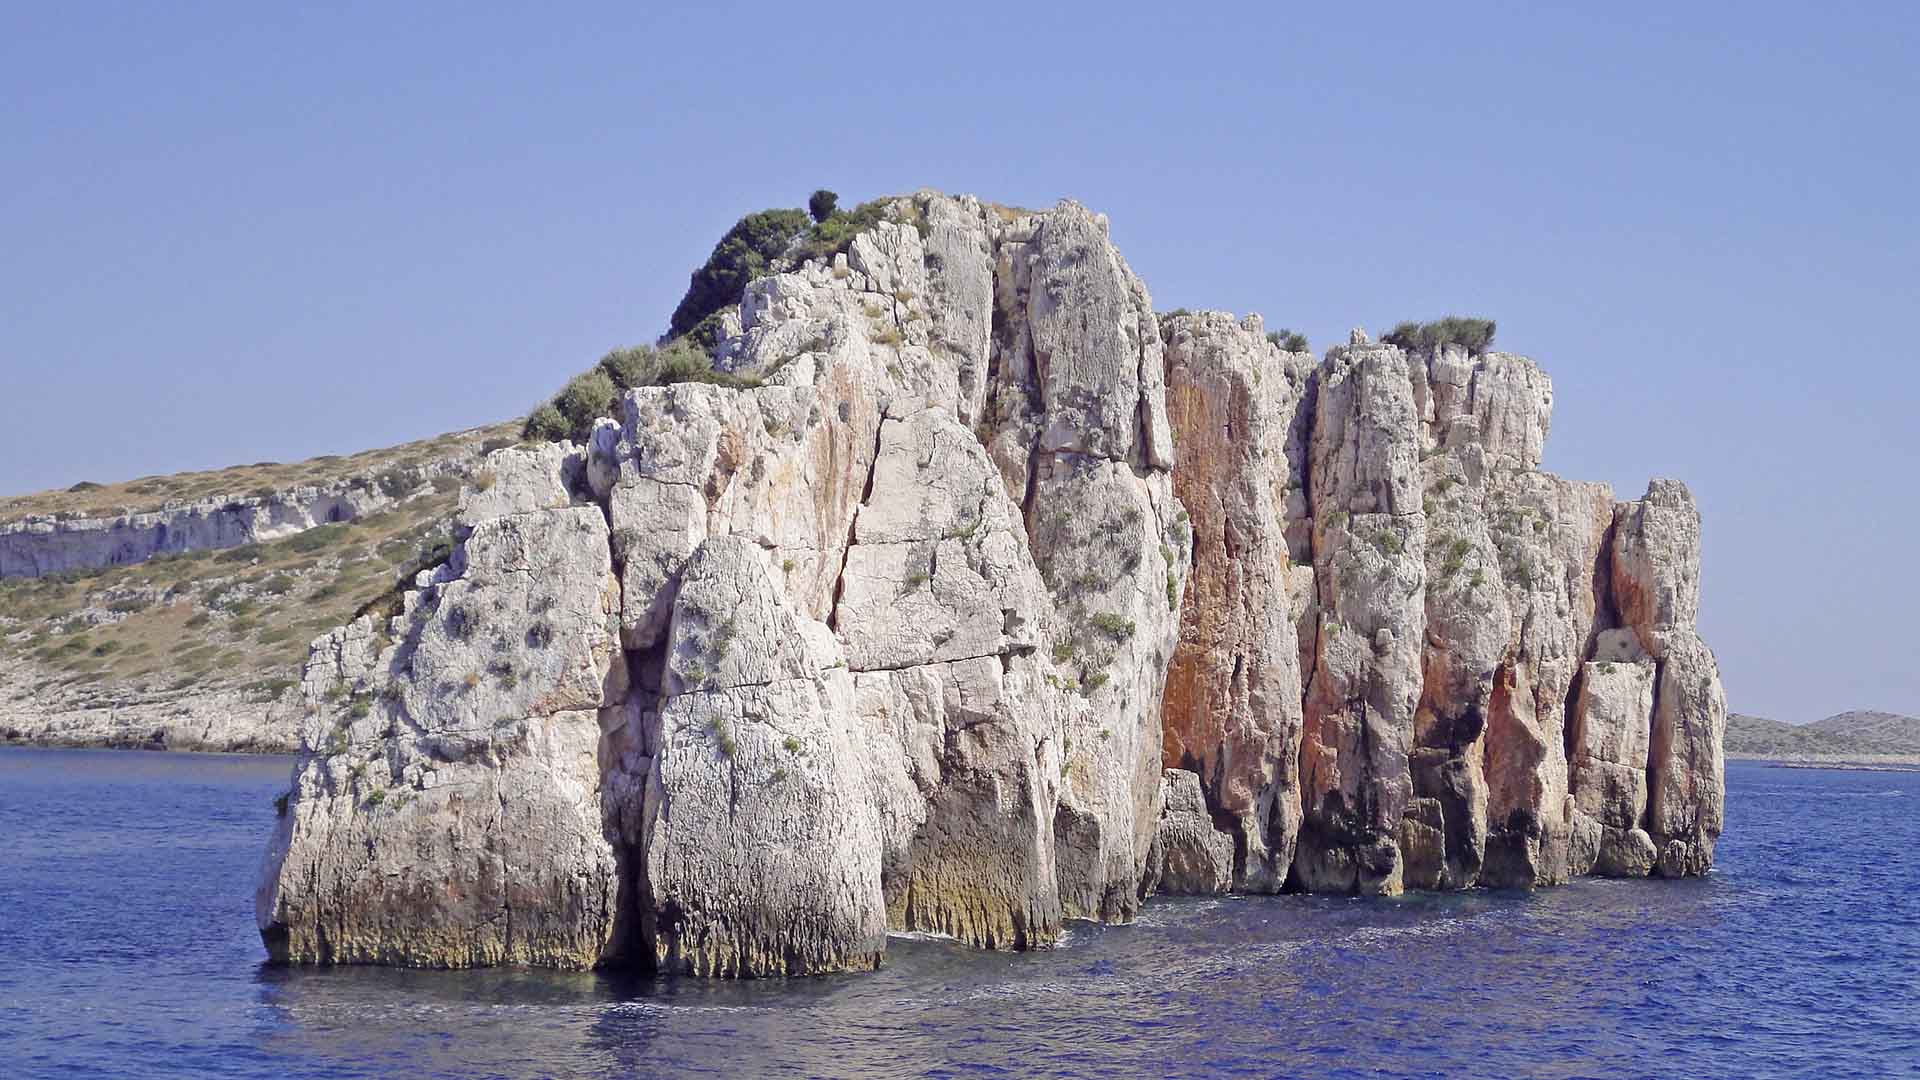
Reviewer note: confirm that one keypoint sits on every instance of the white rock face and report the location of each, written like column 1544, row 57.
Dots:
column 446, row 805
column 1370, row 572
column 1656, row 587
column 225, row 722
column 762, row 843
column 1610, row 736
column 995, row 600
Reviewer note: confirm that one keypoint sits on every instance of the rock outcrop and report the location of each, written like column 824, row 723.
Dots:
column 1234, row 693
column 987, row 600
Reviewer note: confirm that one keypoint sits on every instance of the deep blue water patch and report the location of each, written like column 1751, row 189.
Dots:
column 127, row 949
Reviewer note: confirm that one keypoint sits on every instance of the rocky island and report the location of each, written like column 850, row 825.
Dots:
column 957, row 591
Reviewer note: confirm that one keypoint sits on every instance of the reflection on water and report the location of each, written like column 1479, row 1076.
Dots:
column 126, row 884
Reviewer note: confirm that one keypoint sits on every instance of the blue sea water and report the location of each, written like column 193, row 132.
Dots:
column 127, row 949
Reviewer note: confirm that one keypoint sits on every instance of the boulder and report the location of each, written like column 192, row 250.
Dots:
column 1188, row 856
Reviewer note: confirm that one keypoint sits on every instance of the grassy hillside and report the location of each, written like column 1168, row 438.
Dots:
column 1848, row 736
column 208, row 641
column 239, row 616
column 89, row 499
column 1873, row 732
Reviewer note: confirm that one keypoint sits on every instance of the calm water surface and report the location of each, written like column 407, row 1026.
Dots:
column 127, row 949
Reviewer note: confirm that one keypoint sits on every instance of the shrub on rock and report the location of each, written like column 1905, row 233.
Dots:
column 744, row 253
column 1474, row 335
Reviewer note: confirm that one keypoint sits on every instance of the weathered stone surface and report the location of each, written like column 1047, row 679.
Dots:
column 1551, row 535
column 446, row 804
column 939, row 569
column 1611, row 723
column 966, row 772
column 522, row 479
column 762, row 842
column 1233, row 698
column 1656, row 564
column 1077, row 425
column 1656, row 588
column 223, row 722
column 1686, row 787
column 1467, row 630
column 1188, row 857
column 921, row 623
column 1369, row 568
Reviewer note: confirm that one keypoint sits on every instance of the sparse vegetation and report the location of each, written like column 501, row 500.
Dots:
column 1112, row 623
column 1474, row 335
column 595, row 393
column 834, row 234
column 1289, row 340
column 257, row 480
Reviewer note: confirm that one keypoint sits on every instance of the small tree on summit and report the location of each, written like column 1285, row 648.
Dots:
column 822, row 203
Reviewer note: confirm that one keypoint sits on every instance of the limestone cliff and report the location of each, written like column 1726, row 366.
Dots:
column 981, row 598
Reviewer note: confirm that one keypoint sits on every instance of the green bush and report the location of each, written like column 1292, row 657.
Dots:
column 1289, row 340
column 822, row 204
column 744, row 253
column 834, row 233
column 586, row 397
column 545, row 424
column 629, row 367
column 1475, row 335
column 595, row 393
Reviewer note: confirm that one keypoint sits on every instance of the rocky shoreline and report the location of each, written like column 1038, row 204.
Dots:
column 985, row 599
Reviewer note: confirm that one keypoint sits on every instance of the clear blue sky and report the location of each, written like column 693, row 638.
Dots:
column 235, row 232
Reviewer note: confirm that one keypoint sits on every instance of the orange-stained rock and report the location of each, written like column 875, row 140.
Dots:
column 1232, row 712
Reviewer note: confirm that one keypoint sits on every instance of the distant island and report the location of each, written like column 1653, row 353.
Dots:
column 1860, row 737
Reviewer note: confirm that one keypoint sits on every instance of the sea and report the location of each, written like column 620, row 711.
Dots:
column 128, row 949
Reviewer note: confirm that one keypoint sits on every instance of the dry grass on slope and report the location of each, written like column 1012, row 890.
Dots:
column 237, row 618
column 87, row 499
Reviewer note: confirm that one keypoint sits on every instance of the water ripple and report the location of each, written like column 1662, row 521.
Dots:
column 126, row 949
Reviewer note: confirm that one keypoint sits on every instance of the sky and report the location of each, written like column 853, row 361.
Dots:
column 243, row 232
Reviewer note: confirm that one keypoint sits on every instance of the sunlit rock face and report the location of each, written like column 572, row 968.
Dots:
column 985, row 599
